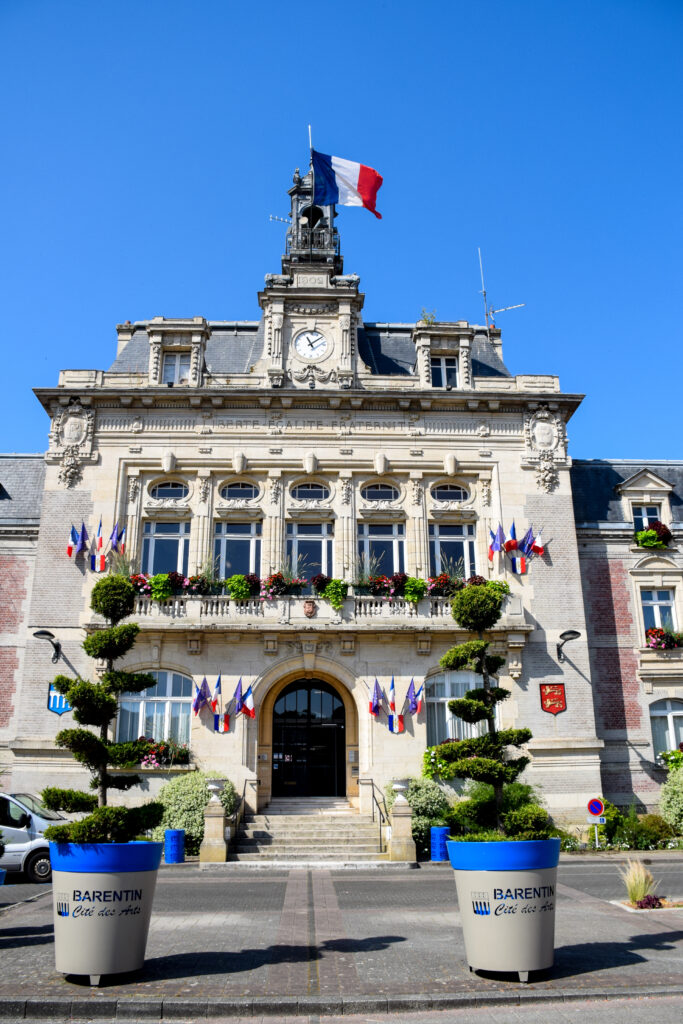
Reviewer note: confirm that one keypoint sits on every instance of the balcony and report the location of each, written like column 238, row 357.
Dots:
column 660, row 667
column 357, row 612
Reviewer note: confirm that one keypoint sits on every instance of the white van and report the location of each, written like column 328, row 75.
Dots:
column 22, row 822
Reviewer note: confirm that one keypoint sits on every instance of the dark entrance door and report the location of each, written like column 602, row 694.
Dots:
column 308, row 741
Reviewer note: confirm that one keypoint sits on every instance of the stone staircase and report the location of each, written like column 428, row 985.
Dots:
column 302, row 831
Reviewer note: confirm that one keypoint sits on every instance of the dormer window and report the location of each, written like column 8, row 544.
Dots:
column 310, row 492
column 643, row 515
column 379, row 492
column 449, row 492
column 176, row 368
column 170, row 489
column 239, row 490
column 444, row 371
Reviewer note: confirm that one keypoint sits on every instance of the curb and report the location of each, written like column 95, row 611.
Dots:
column 96, row 1008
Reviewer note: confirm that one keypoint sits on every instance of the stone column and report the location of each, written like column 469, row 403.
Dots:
column 214, row 849
column 401, row 844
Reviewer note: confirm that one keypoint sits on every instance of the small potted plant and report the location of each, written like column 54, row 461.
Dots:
column 655, row 535
column 103, row 880
column 505, row 878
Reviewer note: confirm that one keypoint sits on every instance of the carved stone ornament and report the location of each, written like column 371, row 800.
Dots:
column 133, row 489
column 542, row 431
column 204, row 488
column 275, row 489
column 314, row 373
column 310, row 308
column 546, row 475
column 71, row 440
column 346, row 491
column 277, row 280
column 416, row 492
column 310, row 608
column 486, row 492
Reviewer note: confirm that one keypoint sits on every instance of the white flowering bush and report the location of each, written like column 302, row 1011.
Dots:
column 184, row 800
column 671, row 800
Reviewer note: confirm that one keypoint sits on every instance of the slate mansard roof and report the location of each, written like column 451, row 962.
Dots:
column 386, row 349
column 594, row 483
column 21, row 488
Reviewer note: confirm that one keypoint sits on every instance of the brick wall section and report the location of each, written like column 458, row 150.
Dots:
column 9, row 664
column 13, row 577
column 607, row 590
column 618, row 690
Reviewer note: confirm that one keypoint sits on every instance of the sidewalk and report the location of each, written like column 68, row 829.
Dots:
column 326, row 942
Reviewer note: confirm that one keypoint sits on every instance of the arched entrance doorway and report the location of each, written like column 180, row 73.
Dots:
column 309, row 740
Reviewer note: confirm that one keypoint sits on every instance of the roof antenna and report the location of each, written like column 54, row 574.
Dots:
column 489, row 311
column 283, row 220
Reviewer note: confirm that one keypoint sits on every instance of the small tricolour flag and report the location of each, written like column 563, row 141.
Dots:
column 392, row 696
column 345, row 182
column 248, row 704
column 511, row 539
column 221, row 723
column 418, row 698
column 72, row 542
column 98, row 536
column 216, row 694
column 396, row 723
column 537, row 546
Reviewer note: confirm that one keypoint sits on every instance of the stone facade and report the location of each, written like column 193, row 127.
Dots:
column 314, row 431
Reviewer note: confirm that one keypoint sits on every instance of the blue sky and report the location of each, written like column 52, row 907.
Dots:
column 146, row 144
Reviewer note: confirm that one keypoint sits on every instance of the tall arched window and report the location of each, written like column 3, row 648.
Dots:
column 442, row 724
column 162, row 712
column 666, row 719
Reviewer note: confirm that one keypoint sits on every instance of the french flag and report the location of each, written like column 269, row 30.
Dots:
column 221, row 723
column 537, row 546
column 418, row 698
column 248, row 704
column 73, row 540
column 344, row 182
column 396, row 723
column 497, row 541
column 392, row 697
column 122, row 541
column 511, row 539
column 518, row 565
column 98, row 536
column 216, row 695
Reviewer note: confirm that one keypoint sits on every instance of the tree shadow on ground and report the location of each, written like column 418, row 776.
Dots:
column 588, row 957
column 211, row 962
column 14, row 938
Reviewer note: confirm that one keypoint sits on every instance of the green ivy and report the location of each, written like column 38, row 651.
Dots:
column 335, row 592
column 161, row 587
column 415, row 589
column 238, row 587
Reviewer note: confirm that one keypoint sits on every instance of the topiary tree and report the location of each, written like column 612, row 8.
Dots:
column 477, row 608
column 95, row 704
column 671, row 800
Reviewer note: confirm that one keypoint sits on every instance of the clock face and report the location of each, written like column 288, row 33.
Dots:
column 311, row 344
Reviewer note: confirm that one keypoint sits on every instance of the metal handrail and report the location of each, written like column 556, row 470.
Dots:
column 383, row 815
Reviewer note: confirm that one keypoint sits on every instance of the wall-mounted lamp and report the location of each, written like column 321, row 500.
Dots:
column 45, row 634
column 569, row 634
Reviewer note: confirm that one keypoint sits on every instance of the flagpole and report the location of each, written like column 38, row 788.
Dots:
column 310, row 217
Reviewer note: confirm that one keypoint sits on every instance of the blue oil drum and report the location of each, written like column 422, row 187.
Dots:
column 439, row 835
column 174, row 845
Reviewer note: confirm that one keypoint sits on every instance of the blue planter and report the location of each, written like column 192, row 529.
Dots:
column 2, row 876
column 506, row 894
column 102, row 897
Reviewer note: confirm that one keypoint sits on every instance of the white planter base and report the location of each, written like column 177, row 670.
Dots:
column 101, row 921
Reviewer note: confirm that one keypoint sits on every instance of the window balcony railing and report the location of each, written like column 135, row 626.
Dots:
column 359, row 609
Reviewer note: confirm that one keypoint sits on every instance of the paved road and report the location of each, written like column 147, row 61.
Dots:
column 372, row 942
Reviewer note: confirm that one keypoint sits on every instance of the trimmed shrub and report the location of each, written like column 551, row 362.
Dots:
column 183, row 800
column 113, row 597
column 671, row 800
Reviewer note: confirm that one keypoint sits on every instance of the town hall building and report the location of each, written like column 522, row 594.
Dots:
column 313, row 441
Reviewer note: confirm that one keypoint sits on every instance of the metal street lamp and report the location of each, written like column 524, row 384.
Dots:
column 569, row 634
column 45, row 634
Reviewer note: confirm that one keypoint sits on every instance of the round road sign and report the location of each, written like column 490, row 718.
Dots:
column 596, row 807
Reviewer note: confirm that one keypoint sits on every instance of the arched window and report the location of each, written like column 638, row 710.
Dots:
column 449, row 492
column 161, row 712
column 239, row 489
column 666, row 719
column 442, row 724
column 170, row 489
column 379, row 492
column 310, row 492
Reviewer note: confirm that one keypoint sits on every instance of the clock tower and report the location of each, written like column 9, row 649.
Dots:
column 312, row 309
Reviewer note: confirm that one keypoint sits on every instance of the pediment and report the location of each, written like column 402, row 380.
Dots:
column 644, row 480
column 656, row 563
